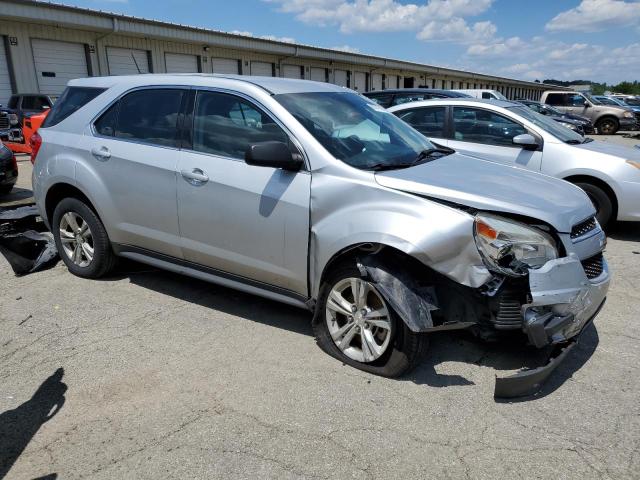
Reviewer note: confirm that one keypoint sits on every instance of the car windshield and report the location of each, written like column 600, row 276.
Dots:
column 559, row 131
column 634, row 102
column 552, row 110
column 499, row 96
column 356, row 130
column 608, row 101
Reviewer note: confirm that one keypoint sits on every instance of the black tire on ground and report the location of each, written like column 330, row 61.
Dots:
column 103, row 256
column 6, row 189
column 607, row 126
column 600, row 200
column 405, row 348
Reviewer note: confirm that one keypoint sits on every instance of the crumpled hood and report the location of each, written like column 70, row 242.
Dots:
column 625, row 153
column 490, row 186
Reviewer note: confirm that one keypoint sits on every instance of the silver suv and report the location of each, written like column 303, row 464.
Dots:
column 312, row 195
column 607, row 119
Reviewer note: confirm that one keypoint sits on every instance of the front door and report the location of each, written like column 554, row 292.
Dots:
column 488, row 135
column 236, row 218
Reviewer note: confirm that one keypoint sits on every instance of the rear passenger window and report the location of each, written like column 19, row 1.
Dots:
column 559, row 99
column 34, row 103
column 106, row 124
column 150, row 116
column 72, row 99
column 428, row 121
column 226, row 125
column 482, row 126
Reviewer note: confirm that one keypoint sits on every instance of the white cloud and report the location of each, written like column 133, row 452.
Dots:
column 346, row 48
column 245, row 33
column 435, row 20
column 596, row 15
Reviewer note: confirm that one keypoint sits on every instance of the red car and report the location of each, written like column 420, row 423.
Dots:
column 29, row 126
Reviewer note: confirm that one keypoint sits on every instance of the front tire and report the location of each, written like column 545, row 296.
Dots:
column 608, row 126
column 81, row 239
column 6, row 189
column 600, row 200
column 355, row 324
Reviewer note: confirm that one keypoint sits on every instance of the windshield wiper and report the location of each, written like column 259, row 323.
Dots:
column 573, row 141
column 423, row 157
column 587, row 140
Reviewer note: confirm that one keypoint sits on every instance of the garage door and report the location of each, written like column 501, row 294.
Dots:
column 5, row 79
column 292, row 71
column 318, row 74
column 360, row 82
column 263, row 69
column 340, row 77
column 376, row 81
column 57, row 63
column 391, row 81
column 181, row 63
column 225, row 65
column 127, row 61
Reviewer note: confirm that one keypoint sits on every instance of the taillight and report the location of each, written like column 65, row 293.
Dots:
column 36, row 143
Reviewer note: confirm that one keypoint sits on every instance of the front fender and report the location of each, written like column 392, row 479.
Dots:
column 347, row 212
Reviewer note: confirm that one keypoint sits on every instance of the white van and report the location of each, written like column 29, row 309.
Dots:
column 486, row 94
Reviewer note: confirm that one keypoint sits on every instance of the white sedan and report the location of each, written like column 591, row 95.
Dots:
column 512, row 134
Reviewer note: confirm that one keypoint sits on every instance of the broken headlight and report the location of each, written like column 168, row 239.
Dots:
column 510, row 247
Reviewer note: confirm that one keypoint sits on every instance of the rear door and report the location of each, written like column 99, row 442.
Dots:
column 135, row 153
column 244, row 220
column 489, row 135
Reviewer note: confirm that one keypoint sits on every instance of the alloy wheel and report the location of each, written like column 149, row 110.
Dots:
column 76, row 239
column 358, row 320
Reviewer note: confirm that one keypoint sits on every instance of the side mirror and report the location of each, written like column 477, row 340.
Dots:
column 586, row 104
column 273, row 154
column 526, row 141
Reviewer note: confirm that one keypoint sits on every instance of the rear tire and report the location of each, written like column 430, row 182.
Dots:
column 607, row 126
column 6, row 189
column 600, row 200
column 81, row 239
column 394, row 352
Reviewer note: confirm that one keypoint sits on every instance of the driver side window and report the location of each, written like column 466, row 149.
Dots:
column 483, row 126
column 226, row 125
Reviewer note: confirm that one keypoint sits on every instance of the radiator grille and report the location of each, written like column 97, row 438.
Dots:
column 583, row 228
column 509, row 306
column 593, row 266
column 4, row 121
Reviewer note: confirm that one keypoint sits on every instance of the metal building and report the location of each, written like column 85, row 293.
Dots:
column 44, row 45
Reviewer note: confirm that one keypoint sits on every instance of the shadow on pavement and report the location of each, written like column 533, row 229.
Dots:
column 18, row 426
column 509, row 354
column 626, row 231
column 18, row 196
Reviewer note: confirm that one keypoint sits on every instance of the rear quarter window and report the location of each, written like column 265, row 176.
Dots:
column 71, row 100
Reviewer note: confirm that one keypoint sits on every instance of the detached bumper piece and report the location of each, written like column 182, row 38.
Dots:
column 529, row 382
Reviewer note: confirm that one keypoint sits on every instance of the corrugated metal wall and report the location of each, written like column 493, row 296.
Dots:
column 253, row 50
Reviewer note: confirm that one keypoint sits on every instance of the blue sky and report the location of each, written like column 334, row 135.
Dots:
column 563, row 39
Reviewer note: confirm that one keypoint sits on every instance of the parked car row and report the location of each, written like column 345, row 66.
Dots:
column 310, row 194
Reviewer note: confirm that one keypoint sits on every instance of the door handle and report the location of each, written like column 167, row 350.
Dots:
column 195, row 176
column 101, row 153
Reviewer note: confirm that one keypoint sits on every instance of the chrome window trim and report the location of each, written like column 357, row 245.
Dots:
column 296, row 142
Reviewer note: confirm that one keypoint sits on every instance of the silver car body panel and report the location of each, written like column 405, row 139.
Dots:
column 600, row 160
column 310, row 216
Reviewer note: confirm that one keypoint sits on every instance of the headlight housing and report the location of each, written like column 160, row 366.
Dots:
column 629, row 114
column 510, row 247
column 568, row 125
column 13, row 119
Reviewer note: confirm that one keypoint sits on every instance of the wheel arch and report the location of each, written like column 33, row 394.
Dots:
column 598, row 182
column 59, row 191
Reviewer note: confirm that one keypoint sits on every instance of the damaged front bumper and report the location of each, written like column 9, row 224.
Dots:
column 564, row 301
